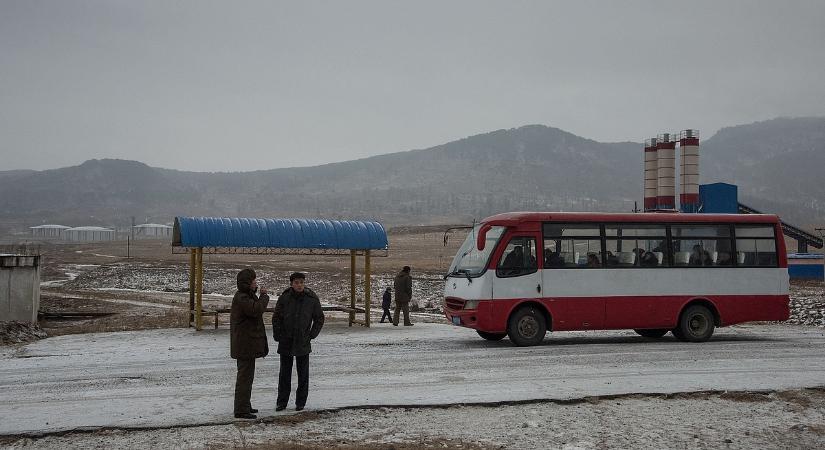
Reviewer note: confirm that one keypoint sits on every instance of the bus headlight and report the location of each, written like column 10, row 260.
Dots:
column 471, row 304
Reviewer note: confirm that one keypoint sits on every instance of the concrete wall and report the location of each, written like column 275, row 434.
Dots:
column 19, row 288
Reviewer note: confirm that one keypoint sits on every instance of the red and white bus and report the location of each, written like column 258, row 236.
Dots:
column 522, row 274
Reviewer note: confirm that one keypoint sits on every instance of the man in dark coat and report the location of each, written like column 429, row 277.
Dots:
column 247, row 338
column 386, row 301
column 297, row 320
column 403, row 295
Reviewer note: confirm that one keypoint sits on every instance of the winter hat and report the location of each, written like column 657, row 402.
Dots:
column 245, row 278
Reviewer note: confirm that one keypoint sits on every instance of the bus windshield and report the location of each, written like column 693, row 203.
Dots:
column 469, row 260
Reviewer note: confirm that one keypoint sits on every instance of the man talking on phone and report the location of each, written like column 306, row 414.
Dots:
column 247, row 338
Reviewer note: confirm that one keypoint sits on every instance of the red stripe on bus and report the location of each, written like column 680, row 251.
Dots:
column 623, row 312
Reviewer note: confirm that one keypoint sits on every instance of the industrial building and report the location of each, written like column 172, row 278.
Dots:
column 151, row 231
column 48, row 231
column 89, row 234
column 719, row 198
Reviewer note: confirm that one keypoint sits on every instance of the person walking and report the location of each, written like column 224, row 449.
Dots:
column 403, row 295
column 297, row 320
column 385, row 304
column 247, row 338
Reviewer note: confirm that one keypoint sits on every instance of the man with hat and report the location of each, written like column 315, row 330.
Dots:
column 297, row 320
column 247, row 338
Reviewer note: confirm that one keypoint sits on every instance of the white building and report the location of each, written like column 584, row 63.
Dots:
column 48, row 231
column 88, row 234
column 152, row 231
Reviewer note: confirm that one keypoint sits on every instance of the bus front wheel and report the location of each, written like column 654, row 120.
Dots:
column 491, row 336
column 695, row 324
column 526, row 327
column 654, row 333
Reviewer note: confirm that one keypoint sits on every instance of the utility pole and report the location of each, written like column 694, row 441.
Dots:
column 821, row 232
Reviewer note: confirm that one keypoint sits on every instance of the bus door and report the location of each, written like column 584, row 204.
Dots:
column 517, row 273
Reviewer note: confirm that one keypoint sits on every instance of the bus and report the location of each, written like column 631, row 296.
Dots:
column 521, row 274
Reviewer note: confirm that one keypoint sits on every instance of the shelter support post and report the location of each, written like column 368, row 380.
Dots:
column 191, row 286
column 199, row 291
column 367, row 277
column 352, row 261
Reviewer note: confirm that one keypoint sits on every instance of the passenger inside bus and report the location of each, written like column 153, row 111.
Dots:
column 649, row 259
column 552, row 259
column 514, row 259
column 517, row 262
column 699, row 257
column 593, row 260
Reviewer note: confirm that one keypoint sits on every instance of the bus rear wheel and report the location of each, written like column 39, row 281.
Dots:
column 491, row 336
column 526, row 327
column 696, row 324
column 652, row 333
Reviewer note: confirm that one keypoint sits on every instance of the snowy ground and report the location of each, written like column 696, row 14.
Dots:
column 428, row 288
column 787, row 420
column 165, row 378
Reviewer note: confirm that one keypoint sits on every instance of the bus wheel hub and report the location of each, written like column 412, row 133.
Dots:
column 528, row 327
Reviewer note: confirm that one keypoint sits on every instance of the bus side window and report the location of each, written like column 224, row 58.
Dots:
column 519, row 258
column 756, row 252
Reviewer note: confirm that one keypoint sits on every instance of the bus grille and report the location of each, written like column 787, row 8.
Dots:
column 454, row 303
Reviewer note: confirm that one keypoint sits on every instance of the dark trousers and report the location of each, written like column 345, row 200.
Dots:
column 285, row 380
column 387, row 315
column 243, row 385
column 402, row 307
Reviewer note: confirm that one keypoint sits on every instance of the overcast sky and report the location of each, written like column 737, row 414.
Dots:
column 241, row 85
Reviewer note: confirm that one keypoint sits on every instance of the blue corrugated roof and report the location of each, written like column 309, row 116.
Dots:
column 279, row 233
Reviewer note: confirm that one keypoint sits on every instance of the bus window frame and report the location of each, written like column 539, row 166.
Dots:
column 502, row 247
column 667, row 264
column 730, row 237
column 600, row 238
column 669, row 237
column 735, row 250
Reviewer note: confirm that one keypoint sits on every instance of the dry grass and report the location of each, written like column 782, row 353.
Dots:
column 168, row 318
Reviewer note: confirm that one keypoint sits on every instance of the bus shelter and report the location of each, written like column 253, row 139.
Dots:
column 197, row 236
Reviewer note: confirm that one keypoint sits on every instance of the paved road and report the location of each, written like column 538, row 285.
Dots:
column 173, row 377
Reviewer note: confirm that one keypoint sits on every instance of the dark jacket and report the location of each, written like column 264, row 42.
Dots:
column 247, row 336
column 387, row 300
column 403, row 287
column 297, row 320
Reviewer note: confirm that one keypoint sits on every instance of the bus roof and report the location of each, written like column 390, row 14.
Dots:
column 516, row 218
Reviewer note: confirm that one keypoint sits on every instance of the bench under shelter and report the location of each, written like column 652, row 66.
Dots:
column 197, row 236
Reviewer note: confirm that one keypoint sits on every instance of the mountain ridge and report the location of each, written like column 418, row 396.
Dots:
column 533, row 167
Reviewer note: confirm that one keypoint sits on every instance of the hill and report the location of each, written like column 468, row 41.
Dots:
column 535, row 167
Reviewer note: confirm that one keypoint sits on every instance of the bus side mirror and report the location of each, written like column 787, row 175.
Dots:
column 481, row 240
